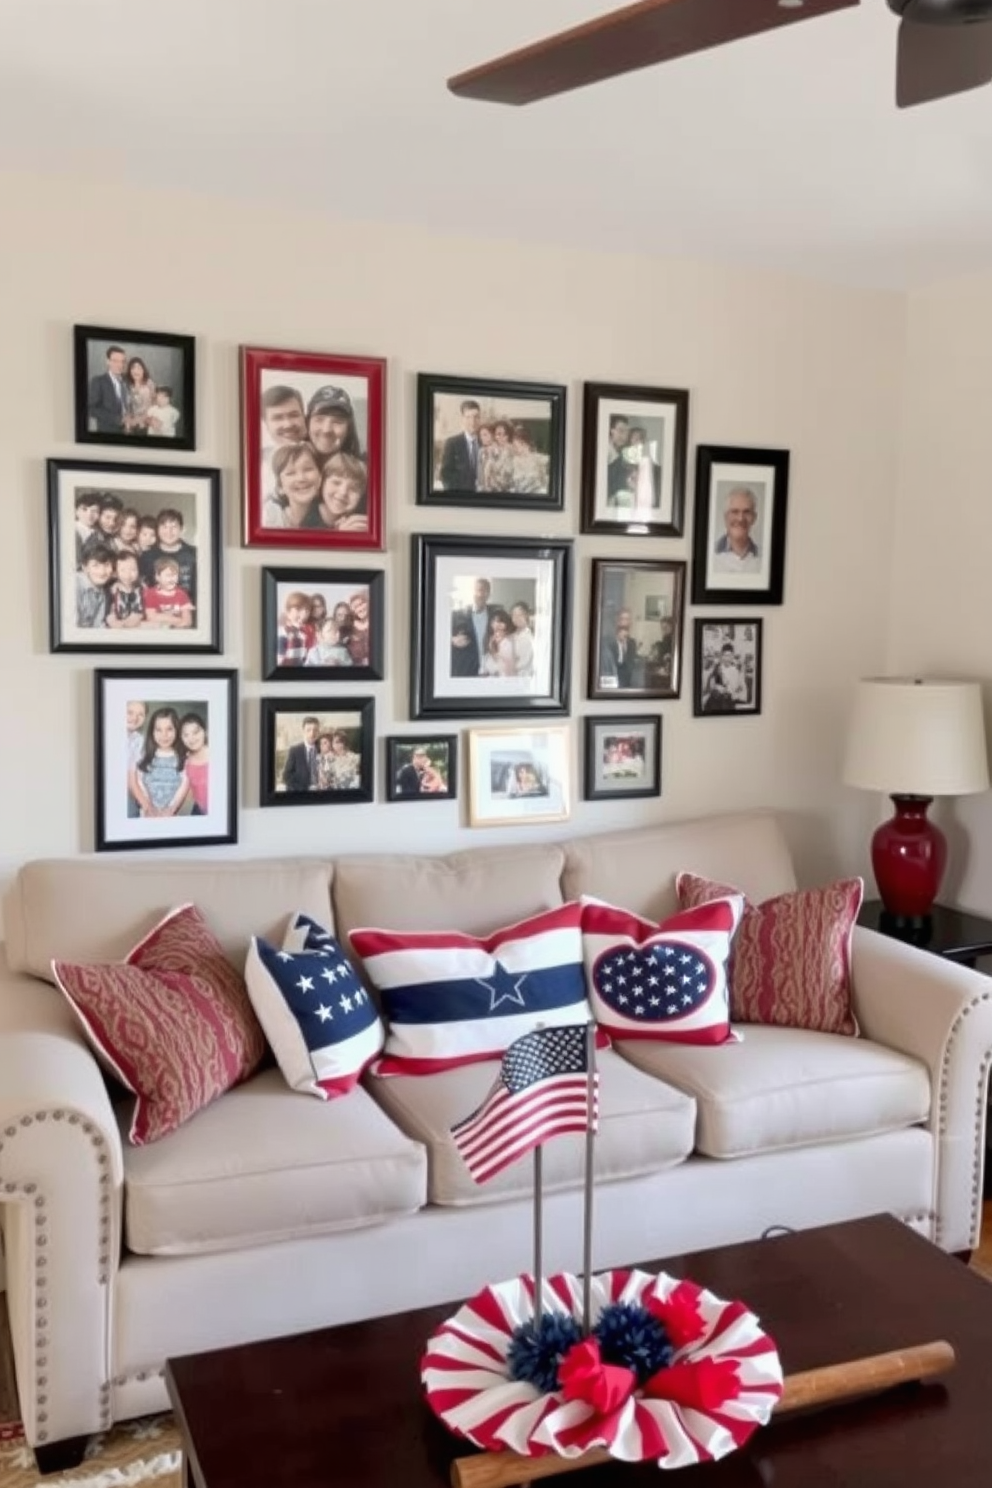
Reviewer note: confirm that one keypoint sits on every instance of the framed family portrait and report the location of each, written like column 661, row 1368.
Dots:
column 490, row 624
column 166, row 759
column 634, row 442
column 518, row 775
column 635, row 628
column 739, row 543
column 134, row 388
column 322, row 625
column 313, row 449
column 622, row 757
column 486, row 443
column 134, row 557
column 727, row 677
column 424, row 768
column 317, row 752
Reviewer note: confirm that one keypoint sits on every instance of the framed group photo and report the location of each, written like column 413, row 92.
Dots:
column 740, row 521
column 322, row 625
column 486, row 443
column 635, row 628
column 134, row 557
column 134, row 388
column 490, row 626
column 634, row 443
column 727, row 676
column 518, row 776
column 166, row 759
column 317, row 752
column 622, row 757
column 424, row 768
column 313, row 449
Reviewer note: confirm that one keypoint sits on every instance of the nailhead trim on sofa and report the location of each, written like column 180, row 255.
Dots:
column 976, row 1172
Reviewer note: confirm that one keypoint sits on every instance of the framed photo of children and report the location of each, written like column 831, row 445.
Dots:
column 135, row 388
column 634, row 442
column 313, row 448
column 623, row 757
column 322, row 625
column 635, row 628
column 316, row 752
column 166, row 759
column 484, row 443
column 134, row 557
column 518, row 775
column 727, row 677
column 490, row 626
column 424, row 768
column 739, row 540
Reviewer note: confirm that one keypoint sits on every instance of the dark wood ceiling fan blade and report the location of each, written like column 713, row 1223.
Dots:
column 938, row 61
column 640, row 35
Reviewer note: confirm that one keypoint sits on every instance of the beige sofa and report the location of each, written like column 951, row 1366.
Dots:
column 271, row 1212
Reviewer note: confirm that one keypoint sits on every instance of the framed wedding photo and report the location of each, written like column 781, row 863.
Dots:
column 166, row 759
column 322, row 625
column 313, row 449
column 634, row 442
column 635, row 628
column 727, row 677
column 134, row 558
column 485, row 443
column 622, row 757
column 134, row 388
column 423, row 768
column 317, row 752
column 490, row 626
column 518, row 776
column 739, row 541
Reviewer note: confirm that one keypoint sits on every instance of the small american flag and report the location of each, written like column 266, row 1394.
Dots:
column 542, row 1091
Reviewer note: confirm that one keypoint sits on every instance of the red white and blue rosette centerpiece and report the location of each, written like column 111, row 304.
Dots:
column 668, row 1371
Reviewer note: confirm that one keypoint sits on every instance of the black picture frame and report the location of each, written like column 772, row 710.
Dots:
column 759, row 478
column 169, row 361
column 513, row 477
column 646, row 660
column 636, row 768
column 442, row 755
column 522, row 573
column 280, row 584
column 120, row 823
column 717, row 692
column 349, row 715
column 648, row 500
column 134, row 495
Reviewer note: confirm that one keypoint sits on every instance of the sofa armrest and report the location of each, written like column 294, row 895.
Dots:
column 941, row 1014
column 61, row 1186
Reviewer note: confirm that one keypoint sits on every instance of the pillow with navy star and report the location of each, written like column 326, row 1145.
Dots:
column 323, row 1026
column 666, row 982
column 452, row 999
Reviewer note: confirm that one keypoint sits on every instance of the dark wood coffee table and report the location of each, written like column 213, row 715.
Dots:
column 343, row 1406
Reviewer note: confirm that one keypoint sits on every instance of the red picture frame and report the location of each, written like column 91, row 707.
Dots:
column 313, row 450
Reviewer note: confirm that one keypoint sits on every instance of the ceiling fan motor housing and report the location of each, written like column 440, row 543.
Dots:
column 943, row 12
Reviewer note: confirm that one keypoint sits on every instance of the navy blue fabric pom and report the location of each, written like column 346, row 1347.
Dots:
column 633, row 1337
column 538, row 1347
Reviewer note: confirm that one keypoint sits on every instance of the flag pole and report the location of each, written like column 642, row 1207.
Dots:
column 590, row 1140
column 538, row 1281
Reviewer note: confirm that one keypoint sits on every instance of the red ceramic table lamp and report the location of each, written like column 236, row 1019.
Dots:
column 914, row 739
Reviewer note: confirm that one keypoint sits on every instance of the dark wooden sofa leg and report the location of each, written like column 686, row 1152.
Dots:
column 60, row 1456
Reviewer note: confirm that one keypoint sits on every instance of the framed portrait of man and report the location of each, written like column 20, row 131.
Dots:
column 740, row 524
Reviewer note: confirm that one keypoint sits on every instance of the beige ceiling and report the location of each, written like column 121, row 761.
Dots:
column 785, row 151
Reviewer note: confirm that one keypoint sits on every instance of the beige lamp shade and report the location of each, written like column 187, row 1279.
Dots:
column 917, row 737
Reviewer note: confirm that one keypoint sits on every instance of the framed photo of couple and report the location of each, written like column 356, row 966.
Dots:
column 740, row 521
column 422, row 769
column 634, row 443
column 313, row 449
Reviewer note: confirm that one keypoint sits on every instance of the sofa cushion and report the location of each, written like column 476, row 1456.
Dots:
column 787, row 1087
column 791, row 958
column 644, row 1126
column 261, row 1166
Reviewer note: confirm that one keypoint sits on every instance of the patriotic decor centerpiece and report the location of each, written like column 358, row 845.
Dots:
column 640, row 1366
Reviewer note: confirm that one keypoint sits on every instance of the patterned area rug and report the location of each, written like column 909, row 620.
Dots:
column 141, row 1451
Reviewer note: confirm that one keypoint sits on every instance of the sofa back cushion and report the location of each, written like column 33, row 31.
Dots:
column 86, row 909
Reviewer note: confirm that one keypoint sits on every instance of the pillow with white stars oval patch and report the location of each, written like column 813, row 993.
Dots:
column 667, row 981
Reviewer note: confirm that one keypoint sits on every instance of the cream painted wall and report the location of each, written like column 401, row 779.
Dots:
column 768, row 360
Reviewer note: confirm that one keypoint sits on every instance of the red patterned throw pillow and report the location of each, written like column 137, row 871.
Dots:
column 172, row 1021
column 791, row 958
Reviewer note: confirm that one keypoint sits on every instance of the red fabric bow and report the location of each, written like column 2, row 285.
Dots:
column 583, row 1376
column 704, row 1385
column 679, row 1314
